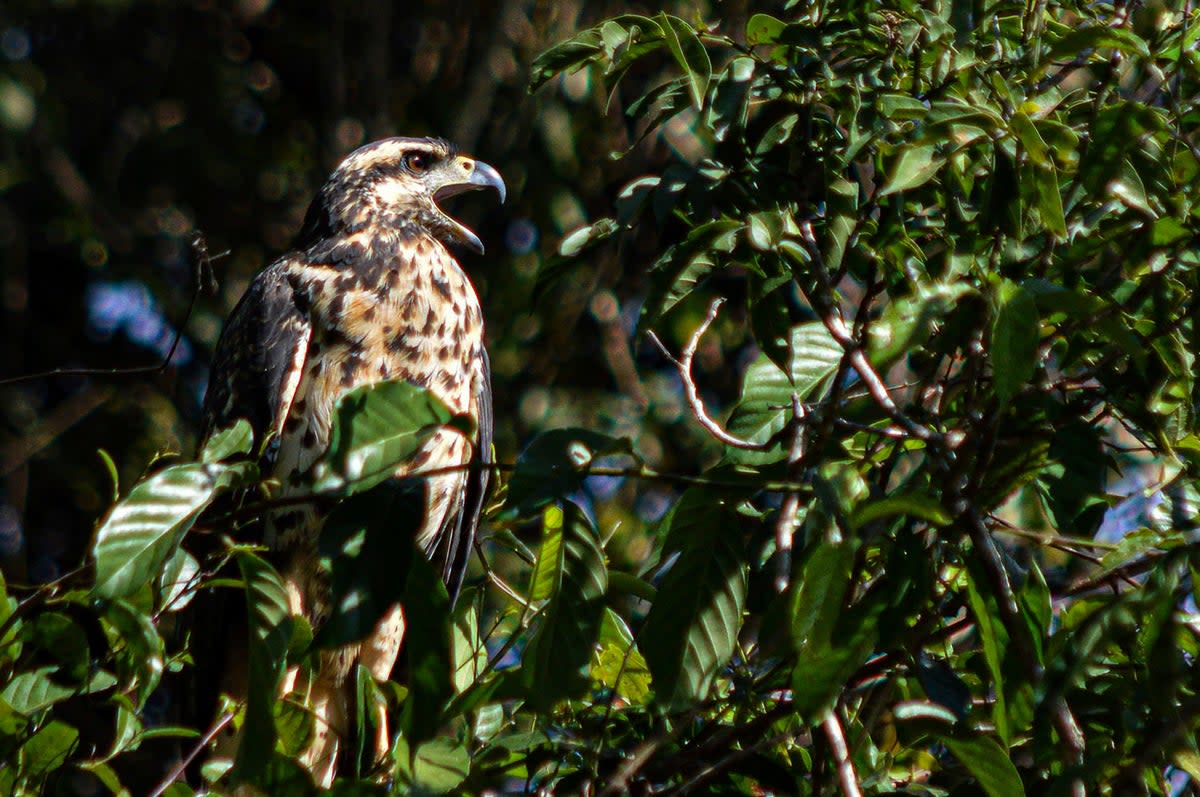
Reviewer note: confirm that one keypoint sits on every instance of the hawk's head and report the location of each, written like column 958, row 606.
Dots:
column 398, row 181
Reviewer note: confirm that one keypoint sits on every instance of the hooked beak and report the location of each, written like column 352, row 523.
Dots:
column 469, row 175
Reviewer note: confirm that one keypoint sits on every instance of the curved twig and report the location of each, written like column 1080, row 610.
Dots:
column 684, row 365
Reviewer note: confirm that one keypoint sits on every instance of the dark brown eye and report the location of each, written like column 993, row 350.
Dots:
column 417, row 162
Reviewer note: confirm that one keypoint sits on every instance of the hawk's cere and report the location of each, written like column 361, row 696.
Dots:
column 370, row 292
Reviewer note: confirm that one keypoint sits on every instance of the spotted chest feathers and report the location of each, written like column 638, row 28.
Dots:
column 410, row 315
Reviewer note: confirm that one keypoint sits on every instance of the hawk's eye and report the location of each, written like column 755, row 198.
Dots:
column 417, row 162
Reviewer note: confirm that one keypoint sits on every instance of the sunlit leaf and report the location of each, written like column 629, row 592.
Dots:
column 375, row 428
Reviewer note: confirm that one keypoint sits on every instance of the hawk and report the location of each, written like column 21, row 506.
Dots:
column 369, row 292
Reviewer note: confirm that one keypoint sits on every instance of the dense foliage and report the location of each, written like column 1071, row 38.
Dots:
column 944, row 543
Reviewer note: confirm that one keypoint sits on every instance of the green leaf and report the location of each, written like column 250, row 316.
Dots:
column 142, row 531
column 988, row 762
column 826, row 652
column 375, row 429
column 270, row 629
column 64, row 641
column 225, row 443
column 547, row 570
column 908, row 321
column 564, row 56
column 763, row 29
column 919, row 505
column 587, row 236
column 570, row 622
column 178, row 581
column 138, row 647
column 618, row 664
column 693, row 624
column 766, row 401
column 554, row 465
column 440, row 765
column 33, row 691
column 1048, row 199
column 994, row 640
column 427, row 647
column 1078, row 40
column 1025, row 131
column 48, row 749
column 690, row 54
column 916, row 165
column 366, row 548
column 1014, row 339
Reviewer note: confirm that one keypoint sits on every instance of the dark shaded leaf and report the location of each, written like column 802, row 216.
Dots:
column 693, row 623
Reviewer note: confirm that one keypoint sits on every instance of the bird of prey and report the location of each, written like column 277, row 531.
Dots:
column 371, row 291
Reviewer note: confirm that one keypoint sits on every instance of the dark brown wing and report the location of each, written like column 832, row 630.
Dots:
column 259, row 358
column 254, row 375
column 453, row 549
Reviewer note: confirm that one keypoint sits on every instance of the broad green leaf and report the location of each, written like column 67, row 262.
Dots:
column 617, row 664
column 988, row 762
column 689, row 53
column 34, row 690
column 565, row 56
column 763, row 29
column 1044, row 181
column 766, row 401
column 994, row 640
column 916, row 165
column 1014, row 339
column 366, row 548
column 570, row 622
column 178, row 581
column 143, row 530
column 1079, row 40
column 547, row 570
column 1025, row 131
column 439, row 766
column 138, row 648
column 427, row 647
column 919, row 505
column 269, row 628
column 225, row 443
column 693, row 623
column 587, row 236
column 908, row 321
column 62, row 640
column 375, row 429
column 48, row 749
column 825, row 657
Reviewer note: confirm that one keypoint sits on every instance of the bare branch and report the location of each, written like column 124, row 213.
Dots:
column 203, row 742
column 684, row 366
column 785, row 526
column 841, row 754
column 831, row 317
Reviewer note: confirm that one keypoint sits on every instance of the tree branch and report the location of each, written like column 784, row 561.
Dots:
column 684, row 365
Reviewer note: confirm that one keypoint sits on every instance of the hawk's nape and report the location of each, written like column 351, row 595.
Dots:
column 370, row 292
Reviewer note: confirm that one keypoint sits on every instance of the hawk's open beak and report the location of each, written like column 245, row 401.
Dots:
column 474, row 175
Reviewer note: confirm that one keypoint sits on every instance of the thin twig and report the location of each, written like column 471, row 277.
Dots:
column 684, row 365
column 203, row 279
column 841, row 754
column 785, row 526
column 831, row 317
column 182, row 766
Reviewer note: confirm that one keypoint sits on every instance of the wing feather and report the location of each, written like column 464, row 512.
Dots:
column 259, row 358
column 453, row 549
